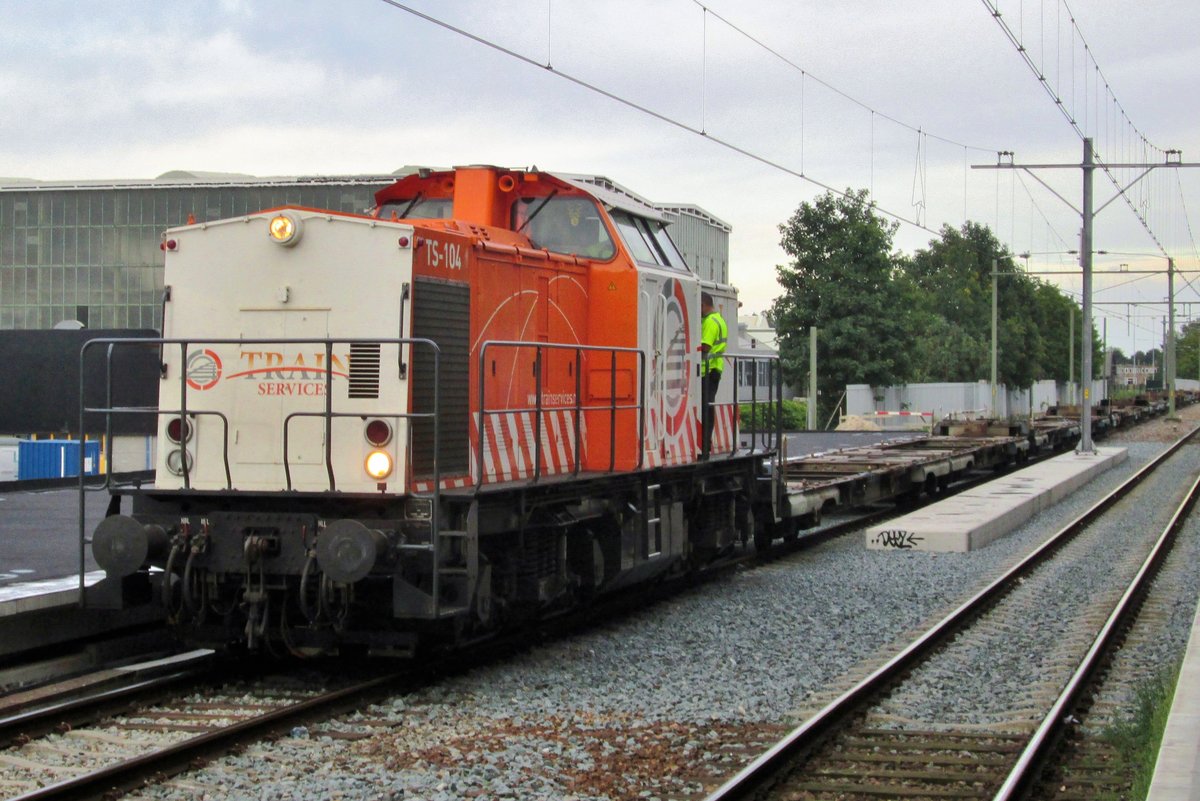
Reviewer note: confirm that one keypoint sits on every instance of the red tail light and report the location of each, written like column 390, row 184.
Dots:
column 378, row 433
column 179, row 429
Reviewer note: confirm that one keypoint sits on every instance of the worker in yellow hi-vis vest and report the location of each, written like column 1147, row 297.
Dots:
column 714, row 334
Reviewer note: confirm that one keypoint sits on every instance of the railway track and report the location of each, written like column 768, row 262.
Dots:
column 195, row 731
column 904, row 733
column 105, row 740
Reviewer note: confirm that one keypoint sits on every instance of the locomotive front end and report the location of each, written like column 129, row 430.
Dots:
column 285, row 427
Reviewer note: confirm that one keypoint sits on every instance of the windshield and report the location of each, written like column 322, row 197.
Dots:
column 429, row 208
column 564, row 225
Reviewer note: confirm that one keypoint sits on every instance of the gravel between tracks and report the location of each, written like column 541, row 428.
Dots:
column 657, row 705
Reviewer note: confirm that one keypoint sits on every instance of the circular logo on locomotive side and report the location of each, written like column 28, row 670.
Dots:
column 676, row 333
column 203, row 369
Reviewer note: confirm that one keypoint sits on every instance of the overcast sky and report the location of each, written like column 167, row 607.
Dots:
column 134, row 89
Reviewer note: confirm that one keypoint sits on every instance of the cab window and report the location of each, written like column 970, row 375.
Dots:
column 564, row 225
column 419, row 208
column 648, row 241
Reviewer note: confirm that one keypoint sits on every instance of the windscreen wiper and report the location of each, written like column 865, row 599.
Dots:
column 537, row 211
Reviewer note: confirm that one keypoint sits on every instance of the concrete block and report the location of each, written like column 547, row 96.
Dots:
column 979, row 516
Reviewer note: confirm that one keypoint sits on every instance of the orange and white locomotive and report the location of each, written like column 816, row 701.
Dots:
column 478, row 403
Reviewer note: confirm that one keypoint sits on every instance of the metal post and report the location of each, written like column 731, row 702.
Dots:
column 1085, row 259
column 812, row 378
column 995, row 328
column 1071, row 357
column 1107, row 369
column 1169, row 359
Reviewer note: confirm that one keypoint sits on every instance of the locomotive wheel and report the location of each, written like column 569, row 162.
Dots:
column 764, row 532
column 483, row 594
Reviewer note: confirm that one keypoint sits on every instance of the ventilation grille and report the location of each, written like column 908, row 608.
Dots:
column 442, row 312
column 364, row 370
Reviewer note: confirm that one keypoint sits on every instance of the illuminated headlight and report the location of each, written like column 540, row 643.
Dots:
column 175, row 461
column 284, row 229
column 379, row 465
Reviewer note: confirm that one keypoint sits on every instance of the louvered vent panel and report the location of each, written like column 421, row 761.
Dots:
column 442, row 312
column 364, row 370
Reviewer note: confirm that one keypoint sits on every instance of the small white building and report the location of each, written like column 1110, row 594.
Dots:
column 1134, row 375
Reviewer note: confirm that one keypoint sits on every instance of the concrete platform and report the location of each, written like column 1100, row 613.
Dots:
column 1177, row 772
column 974, row 518
column 31, row 596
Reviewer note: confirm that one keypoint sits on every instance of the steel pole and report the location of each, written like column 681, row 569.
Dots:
column 1170, row 357
column 995, row 329
column 812, row 378
column 1085, row 258
column 1071, row 357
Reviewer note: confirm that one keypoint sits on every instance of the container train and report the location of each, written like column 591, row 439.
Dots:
column 477, row 404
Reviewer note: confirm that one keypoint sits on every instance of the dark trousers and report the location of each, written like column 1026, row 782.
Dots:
column 709, row 384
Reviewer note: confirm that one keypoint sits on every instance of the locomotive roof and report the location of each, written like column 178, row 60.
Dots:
column 612, row 194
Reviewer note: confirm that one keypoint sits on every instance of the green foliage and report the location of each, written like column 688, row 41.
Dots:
column 840, row 279
column 793, row 415
column 1137, row 740
column 885, row 319
column 1187, row 351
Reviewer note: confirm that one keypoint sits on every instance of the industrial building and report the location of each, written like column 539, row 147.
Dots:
column 87, row 252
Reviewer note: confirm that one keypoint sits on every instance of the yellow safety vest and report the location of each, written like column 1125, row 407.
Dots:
column 714, row 333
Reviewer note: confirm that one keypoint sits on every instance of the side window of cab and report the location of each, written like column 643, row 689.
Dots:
column 564, row 225
column 648, row 242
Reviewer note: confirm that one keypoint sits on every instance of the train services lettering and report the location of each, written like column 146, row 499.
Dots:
column 266, row 365
column 443, row 254
column 552, row 399
column 295, row 388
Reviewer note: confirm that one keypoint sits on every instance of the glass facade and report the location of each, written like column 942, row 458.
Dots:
column 91, row 252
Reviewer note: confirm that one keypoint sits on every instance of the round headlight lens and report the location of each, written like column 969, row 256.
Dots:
column 379, row 465
column 175, row 461
column 284, row 228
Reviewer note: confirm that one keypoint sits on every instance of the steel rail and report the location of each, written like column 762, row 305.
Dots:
column 763, row 771
column 1029, row 764
column 173, row 758
column 71, row 711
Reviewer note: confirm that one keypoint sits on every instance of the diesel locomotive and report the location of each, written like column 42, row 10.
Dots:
column 477, row 404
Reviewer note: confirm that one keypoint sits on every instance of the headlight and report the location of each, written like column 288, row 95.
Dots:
column 379, row 465
column 175, row 461
column 284, row 229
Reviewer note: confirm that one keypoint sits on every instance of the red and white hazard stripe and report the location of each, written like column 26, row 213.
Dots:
column 725, row 429
column 509, row 451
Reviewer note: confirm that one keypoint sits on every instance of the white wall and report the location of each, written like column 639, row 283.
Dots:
column 971, row 399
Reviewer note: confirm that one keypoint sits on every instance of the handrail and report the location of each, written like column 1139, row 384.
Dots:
column 538, row 408
column 109, row 410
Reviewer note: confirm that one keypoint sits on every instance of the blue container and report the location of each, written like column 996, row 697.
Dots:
column 56, row 458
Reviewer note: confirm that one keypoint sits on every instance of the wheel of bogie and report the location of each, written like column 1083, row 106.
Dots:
column 764, row 533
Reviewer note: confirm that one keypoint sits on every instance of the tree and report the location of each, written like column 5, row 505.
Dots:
column 840, row 279
column 952, row 280
column 1187, row 351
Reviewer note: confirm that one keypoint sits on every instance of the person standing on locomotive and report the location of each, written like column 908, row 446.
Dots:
column 713, row 336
